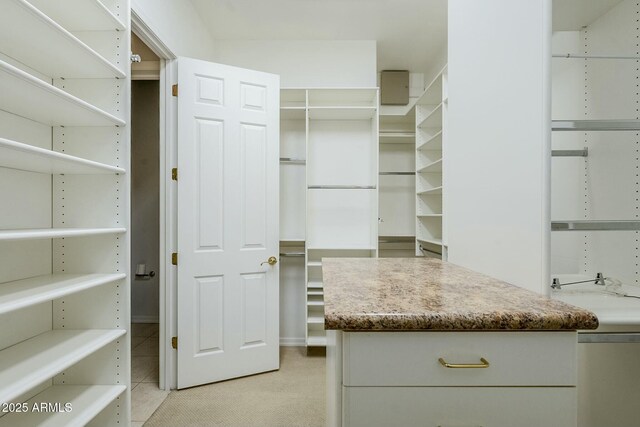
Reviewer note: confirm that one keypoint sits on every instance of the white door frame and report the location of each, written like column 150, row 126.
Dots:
column 167, row 276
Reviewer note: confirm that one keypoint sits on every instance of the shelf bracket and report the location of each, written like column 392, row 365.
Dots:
column 174, row 342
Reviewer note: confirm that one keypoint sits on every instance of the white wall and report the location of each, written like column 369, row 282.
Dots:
column 178, row 26
column 145, row 198
column 498, row 139
column 322, row 63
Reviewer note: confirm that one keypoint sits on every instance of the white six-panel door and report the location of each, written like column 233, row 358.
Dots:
column 228, row 159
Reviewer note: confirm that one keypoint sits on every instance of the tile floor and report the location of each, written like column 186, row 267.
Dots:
column 146, row 397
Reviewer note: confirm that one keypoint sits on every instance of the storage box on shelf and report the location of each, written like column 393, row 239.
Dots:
column 431, row 113
column 64, row 162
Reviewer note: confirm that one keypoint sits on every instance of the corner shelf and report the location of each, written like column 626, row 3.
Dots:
column 46, row 355
column 434, row 143
column 430, row 241
column 30, row 97
column 435, row 190
column 26, row 157
column 433, row 119
column 80, row 15
column 27, row 292
column 314, row 285
column 315, row 319
column 86, row 401
column 55, row 233
column 34, row 47
column 432, row 167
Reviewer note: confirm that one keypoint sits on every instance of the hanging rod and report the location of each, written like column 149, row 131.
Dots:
column 578, row 56
column 292, row 254
column 397, row 173
column 570, row 153
column 293, row 161
column 429, row 251
column 588, row 225
column 342, row 187
column 595, row 125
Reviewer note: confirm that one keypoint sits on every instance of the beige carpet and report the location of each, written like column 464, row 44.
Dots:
column 292, row 396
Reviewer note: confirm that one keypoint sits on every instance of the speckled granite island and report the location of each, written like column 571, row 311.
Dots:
column 421, row 342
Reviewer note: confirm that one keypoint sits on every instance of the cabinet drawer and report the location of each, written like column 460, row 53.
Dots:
column 411, row 358
column 459, row 407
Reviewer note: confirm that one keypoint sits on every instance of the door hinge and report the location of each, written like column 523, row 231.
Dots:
column 174, row 258
column 174, row 174
column 174, row 90
column 174, row 342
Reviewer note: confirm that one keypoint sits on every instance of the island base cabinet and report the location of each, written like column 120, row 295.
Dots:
column 459, row 406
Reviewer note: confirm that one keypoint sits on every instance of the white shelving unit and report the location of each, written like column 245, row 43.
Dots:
column 64, row 239
column 431, row 119
column 329, row 186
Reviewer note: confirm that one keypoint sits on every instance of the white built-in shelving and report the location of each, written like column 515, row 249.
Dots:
column 431, row 114
column 47, row 46
column 64, row 161
column 328, row 183
column 30, row 97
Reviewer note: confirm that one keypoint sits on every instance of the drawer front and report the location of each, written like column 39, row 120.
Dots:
column 412, row 358
column 459, row 407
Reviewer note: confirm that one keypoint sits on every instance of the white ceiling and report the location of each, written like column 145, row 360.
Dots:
column 409, row 32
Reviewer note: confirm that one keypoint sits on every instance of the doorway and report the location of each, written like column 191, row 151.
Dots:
column 146, row 394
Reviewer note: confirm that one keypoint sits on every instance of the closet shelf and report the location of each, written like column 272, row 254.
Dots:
column 350, row 97
column 432, row 167
column 432, row 95
column 431, row 241
column 429, row 215
column 47, row 47
column 342, row 113
column 315, row 292
column 27, row 292
column 595, row 125
column 433, row 119
column 80, row 15
column 397, row 137
column 317, row 341
column 26, row 157
column 43, row 356
column 435, row 190
column 595, row 225
column 396, row 173
column 434, row 143
column 315, row 319
column 315, row 304
column 55, row 233
column 86, row 401
column 27, row 96
column 314, row 285
column 314, row 264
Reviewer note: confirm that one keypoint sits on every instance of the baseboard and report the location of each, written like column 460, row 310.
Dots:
column 145, row 319
column 292, row 342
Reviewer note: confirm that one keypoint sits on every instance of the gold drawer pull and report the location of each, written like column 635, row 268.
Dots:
column 483, row 364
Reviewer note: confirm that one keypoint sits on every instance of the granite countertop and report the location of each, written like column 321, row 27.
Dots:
column 428, row 294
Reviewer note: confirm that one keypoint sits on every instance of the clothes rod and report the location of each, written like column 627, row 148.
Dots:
column 587, row 225
column 293, row 161
column 578, row 56
column 397, row 173
column 292, row 254
column 342, row 187
column 570, row 153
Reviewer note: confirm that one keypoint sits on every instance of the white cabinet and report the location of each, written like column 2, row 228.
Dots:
column 459, row 378
column 64, row 242
column 329, row 187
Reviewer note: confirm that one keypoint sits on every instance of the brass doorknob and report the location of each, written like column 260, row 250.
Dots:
column 271, row 261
